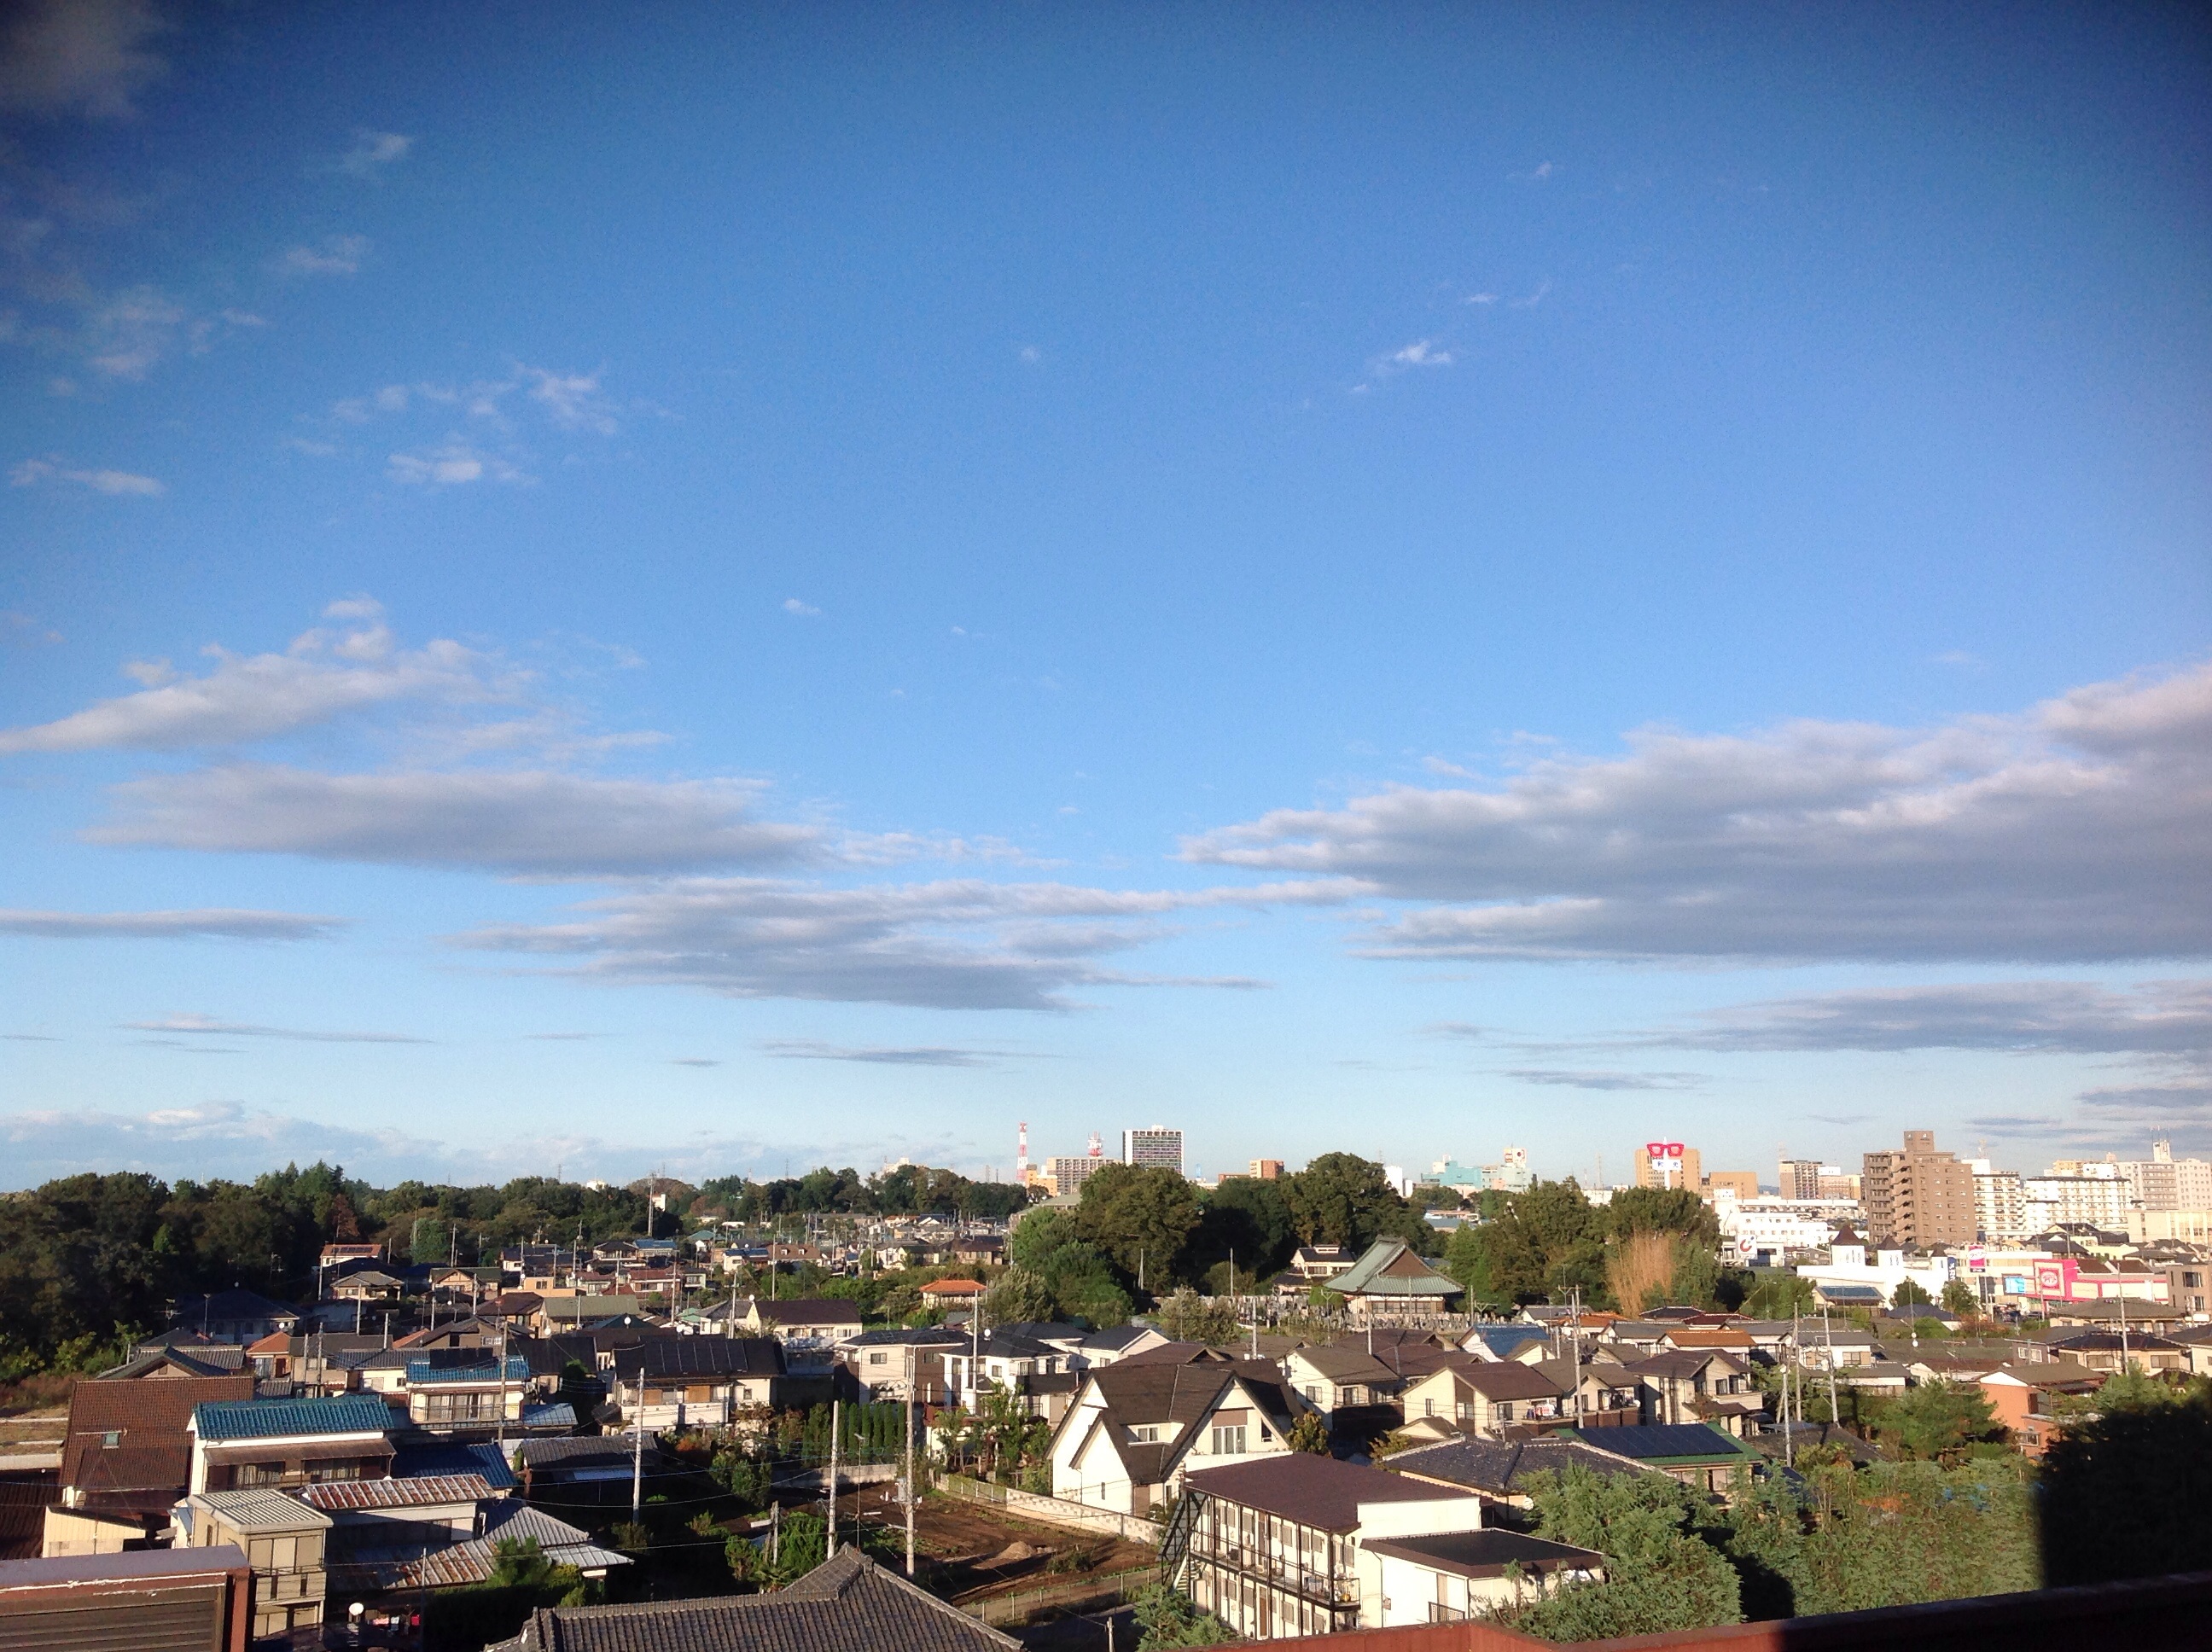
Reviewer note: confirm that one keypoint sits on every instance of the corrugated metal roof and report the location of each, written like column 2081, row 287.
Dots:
column 266, row 1420
column 258, row 1509
column 396, row 1494
column 423, row 1373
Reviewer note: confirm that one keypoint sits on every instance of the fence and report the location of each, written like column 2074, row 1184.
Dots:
column 1051, row 1511
column 1088, row 1593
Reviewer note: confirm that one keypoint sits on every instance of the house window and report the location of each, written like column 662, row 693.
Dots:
column 1145, row 1434
column 879, row 1359
column 1229, row 1442
column 257, row 1474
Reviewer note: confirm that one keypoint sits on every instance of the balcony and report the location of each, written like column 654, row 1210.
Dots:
column 1291, row 1576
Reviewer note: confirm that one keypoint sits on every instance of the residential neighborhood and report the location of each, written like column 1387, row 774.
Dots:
column 1373, row 1436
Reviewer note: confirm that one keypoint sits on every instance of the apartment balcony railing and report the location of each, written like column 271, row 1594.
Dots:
column 1290, row 1575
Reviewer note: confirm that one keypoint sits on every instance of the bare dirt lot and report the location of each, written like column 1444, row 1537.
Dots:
column 975, row 1551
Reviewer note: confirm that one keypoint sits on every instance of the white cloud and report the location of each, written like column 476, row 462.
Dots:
column 954, row 944
column 450, row 464
column 1482, row 298
column 2161, row 1019
column 2072, row 831
column 805, row 610
column 128, row 334
column 535, row 822
column 78, row 57
column 235, row 923
column 373, row 151
column 322, row 676
column 334, row 255
column 571, row 400
column 1583, row 1079
column 1421, row 353
column 201, row 1026
column 114, row 483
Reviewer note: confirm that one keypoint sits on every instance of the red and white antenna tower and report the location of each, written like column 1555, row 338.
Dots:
column 1022, row 1152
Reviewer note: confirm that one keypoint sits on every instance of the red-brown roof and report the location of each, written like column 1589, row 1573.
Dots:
column 1313, row 1491
column 151, row 1451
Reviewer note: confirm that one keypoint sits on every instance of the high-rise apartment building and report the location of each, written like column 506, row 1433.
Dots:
column 1835, row 1184
column 1157, row 1147
column 2000, row 1203
column 2163, row 1182
column 1071, row 1170
column 2101, row 1201
column 1266, row 1169
column 1665, row 1170
column 1919, row 1197
column 1799, row 1178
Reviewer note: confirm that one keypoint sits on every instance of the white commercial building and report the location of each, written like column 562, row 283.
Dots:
column 1847, row 1264
column 2000, row 1203
column 1762, row 1232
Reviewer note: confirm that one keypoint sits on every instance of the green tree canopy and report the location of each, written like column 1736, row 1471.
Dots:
column 1139, row 1217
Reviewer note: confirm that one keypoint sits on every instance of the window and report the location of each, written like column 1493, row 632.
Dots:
column 257, row 1474
column 1428, row 1407
column 110, row 1440
column 878, row 1357
column 1229, row 1442
column 1145, row 1434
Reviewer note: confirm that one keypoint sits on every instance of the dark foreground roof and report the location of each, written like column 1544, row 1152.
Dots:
column 846, row 1604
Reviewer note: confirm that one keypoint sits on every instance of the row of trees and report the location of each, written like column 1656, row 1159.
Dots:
column 1647, row 1245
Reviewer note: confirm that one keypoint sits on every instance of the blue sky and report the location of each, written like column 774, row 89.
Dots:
column 591, row 591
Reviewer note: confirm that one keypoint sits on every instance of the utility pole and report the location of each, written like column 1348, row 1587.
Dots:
column 501, row 1423
column 1835, row 1415
column 910, row 1487
column 830, row 1547
column 637, row 1459
column 1575, row 1341
column 1788, row 1439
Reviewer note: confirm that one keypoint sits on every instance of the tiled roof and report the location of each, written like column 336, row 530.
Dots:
column 701, row 1357
column 151, row 1450
column 846, row 1604
column 1391, row 1269
column 257, row 1510
column 1499, row 1380
column 406, row 1566
column 811, row 1311
column 1656, row 1442
column 1347, row 1364
column 411, row 1493
column 1502, row 1466
column 1313, row 1490
column 266, row 1420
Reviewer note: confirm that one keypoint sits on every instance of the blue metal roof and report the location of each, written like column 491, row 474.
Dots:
column 429, row 1374
column 1647, row 1440
column 444, row 1457
column 265, row 1419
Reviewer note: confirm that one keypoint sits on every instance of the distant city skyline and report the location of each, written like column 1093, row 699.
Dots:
column 1399, row 586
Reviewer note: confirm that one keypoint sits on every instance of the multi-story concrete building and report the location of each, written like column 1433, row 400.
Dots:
column 1668, row 1169
column 1919, row 1197
column 2099, row 1196
column 2000, row 1203
column 1158, row 1147
column 2163, row 1182
column 1071, row 1170
column 1799, row 1178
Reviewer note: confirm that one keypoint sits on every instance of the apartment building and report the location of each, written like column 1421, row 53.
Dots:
column 1919, row 1197
column 1156, row 1147
column 2098, row 1196
column 2000, row 1205
column 2163, row 1182
column 1673, row 1166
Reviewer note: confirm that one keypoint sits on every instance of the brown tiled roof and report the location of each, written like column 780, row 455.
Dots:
column 846, row 1604
column 1313, row 1490
column 152, row 1452
column 1507, row 1380
column 1486, row 1553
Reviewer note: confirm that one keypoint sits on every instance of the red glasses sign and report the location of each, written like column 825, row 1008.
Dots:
column 1659, row 1149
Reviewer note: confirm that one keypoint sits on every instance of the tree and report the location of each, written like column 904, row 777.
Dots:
column 1188, row 1317
column 1778, row 1295
column 1140, row 1217
column 1959, row 1298
column 1249, row 1217
column 1167, row 1618
column 1662, row 1210
column 1938, row 1420
column 1309, row 1434
column 1660, row 1573
column 1467, row 1258
column 1546, row 1243
column 1017, row 1296
column 1909, row 1294
column 1341, row 1198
